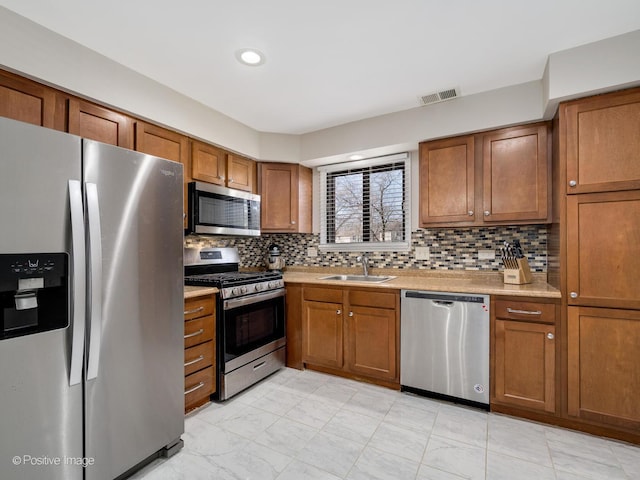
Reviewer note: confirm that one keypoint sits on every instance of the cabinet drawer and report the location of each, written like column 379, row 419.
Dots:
column 198, row 307
column 198, row 330
column 197, row 388
column 330, row 295
column 372, row 299
column 526, row 311
column 198, row 357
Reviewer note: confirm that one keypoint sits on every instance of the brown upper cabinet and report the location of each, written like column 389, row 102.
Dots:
column 212, row 164
column 164, row 143
column 491, row 178
column 603, row 143
column 447, row 181
column 161, row 142
column 603, row 249
column 208, row 163
column 27, row 101
column 98, row 123
column 286, row 198
column 241, row 173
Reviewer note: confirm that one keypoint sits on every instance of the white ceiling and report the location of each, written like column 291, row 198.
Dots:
column 330, row 62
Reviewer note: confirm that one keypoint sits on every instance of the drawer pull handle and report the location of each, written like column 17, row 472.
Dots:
column 524, row 312
column 260, row 365
column 193, row 389
column 195, row 334
column 195, row 310
column 199, row 359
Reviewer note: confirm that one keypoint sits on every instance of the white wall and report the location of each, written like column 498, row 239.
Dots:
column 31, row 50
column 607, row 65
column 402, row 131
column 36, row 52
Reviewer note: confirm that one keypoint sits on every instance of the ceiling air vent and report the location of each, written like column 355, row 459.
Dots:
column 440, row 96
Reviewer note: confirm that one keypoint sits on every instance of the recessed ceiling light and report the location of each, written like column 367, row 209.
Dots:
column 356, row 157
column 250, row 56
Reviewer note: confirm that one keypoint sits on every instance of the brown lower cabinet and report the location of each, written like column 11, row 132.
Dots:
column 200, row 351
column 524, row 354
column 351, row 332
column 604, row 366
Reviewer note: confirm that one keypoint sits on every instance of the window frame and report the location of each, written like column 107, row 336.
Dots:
column 366, row 246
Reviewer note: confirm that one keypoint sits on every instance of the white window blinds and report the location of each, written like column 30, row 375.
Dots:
column 365, row 203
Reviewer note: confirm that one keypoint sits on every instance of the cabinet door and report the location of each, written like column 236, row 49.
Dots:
column 279, row 192
column 525, row 364
column 447, row 179
column 602, row 143
column 322, row 333
column 516, row 169
column 241, row 173
column 97, row 123
column 371, row 342
column 208, row 163
column 294, row 325
column 603, row 358
column 164, row 143
column 26, row 101
column 603, row 249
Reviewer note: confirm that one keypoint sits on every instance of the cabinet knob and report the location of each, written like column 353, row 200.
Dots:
column 231, row 180
column 220, row 177
column 470, row 213
column 487, row 213
column 573, row 294
column 572, row 183
column 351, row 314
column 338, row 312
column 293, row 222
column 550, row 336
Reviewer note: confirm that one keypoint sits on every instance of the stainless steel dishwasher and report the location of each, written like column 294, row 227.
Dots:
column 444, row 345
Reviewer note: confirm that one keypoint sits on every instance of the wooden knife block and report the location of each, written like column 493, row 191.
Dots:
column 520, row 275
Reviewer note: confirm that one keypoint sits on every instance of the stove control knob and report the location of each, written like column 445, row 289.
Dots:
column 243, row 290
column 259, row 287
column 235, row 291
column 271, row 284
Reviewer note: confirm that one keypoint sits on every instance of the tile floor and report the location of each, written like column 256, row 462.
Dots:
column 299, row 425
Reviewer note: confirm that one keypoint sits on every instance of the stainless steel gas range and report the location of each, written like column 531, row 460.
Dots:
column 250, row 319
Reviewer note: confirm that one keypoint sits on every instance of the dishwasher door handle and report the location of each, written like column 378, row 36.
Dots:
column 442, row 303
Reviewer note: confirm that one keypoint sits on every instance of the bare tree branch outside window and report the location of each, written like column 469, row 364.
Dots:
column 367, row 205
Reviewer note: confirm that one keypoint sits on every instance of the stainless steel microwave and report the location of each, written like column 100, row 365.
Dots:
column 217, row 210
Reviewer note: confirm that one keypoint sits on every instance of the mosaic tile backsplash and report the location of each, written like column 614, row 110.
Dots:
column 450, row 249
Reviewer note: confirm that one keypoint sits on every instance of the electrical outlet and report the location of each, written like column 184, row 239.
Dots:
column 486, row 254
column 422, row 253
column 312, row 252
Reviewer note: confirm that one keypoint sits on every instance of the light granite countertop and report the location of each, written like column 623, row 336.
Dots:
column 190, row 292
column 488, row 283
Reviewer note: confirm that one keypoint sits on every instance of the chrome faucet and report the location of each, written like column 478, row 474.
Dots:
column 365, row 264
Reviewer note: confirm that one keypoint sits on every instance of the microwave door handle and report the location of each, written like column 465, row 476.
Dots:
column 78, row 272
column 95, row 280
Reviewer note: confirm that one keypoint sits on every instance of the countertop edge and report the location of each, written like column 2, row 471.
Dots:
column 481, row 285
column 192, row 292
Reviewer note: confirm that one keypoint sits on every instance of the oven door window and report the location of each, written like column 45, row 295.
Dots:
column 251, row 326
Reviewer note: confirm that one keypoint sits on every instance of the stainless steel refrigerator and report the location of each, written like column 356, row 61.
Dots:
column 91, row 306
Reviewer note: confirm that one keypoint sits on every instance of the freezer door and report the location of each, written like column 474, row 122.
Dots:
column 135, row 373
column 40, row 413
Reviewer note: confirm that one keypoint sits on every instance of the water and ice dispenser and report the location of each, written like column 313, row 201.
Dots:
column 34, row 293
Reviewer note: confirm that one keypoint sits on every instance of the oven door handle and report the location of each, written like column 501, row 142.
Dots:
column 251, row 299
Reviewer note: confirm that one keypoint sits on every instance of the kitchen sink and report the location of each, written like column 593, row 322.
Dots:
column 358, row 278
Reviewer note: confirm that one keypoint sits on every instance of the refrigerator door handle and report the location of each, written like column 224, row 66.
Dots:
column 78, row 263
column 95, row 280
